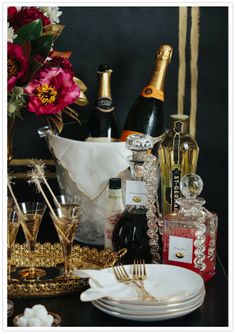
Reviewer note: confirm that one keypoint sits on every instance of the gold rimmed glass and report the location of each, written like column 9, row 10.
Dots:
column 31, row 218
column 13, row 223
column 66, row 220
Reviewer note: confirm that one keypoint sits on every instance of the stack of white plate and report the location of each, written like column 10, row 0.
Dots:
column 179, row 291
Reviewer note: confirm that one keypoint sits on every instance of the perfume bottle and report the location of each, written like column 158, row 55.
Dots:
column 189, row 234
column 178, row 154
column 138, row 228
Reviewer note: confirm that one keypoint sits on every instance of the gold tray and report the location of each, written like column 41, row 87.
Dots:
column 50, row 257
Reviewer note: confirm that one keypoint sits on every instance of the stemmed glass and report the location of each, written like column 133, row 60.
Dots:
column 66, row 220
column 31, row 218
column 13, row 223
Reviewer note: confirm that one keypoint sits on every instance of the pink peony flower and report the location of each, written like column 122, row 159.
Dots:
column 51, row 92
column 17, row 65
column 27, row 15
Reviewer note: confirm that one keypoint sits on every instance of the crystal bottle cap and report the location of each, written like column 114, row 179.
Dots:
column 191, row 186
column 139, row 142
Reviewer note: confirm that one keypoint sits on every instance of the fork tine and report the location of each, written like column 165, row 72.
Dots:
column 115, row 273
column 144, row 269
column 141, row 268
column 118, row 273
column 124, row 271
column 135, row 268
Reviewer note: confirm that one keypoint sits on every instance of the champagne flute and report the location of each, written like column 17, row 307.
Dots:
column 66, row 220
column 13, row 223
column 31, row 218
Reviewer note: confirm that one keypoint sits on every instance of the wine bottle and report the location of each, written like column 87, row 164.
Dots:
column 103, row 124
column 178, row 155
column 146, row 115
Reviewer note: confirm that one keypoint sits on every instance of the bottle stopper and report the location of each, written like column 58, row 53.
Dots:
column 191, row 186
column 139, row 142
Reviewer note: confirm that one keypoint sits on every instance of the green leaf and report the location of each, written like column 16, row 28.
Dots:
column 30, row 31
column 42, row 46
column 34, row 67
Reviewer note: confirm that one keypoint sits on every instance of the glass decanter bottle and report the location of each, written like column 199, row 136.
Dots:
column 137, row 229
column 189, row 234
column 178, row 155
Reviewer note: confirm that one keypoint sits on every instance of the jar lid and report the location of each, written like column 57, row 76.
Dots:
column 115, row 183
column 139, row 142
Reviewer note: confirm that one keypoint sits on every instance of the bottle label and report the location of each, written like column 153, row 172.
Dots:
column 126, row 133
column 108, row 229
column 175, row 187
column 180, row 249
column 151, row 91
column 104, row 104
column 136, row 193
column 176, row 172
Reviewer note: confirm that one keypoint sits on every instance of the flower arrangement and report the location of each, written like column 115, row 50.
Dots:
column 40, row 79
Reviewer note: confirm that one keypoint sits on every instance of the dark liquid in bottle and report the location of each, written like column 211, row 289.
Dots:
column 131, row 232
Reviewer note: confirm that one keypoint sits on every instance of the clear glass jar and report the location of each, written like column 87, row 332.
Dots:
column 189, row 234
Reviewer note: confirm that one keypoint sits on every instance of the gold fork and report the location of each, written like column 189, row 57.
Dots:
column 139, row 273
column 122, row 276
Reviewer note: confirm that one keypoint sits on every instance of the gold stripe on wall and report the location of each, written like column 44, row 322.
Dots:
column 194, row 46
column 26, row 162
column 183, row 20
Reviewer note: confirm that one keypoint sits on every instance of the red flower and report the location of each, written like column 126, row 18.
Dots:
column 27, row 15
column 51, row 92
column 17, row 65
column 11, row 13
column 61, row 62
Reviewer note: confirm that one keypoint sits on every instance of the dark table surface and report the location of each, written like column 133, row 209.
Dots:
column 214, row 311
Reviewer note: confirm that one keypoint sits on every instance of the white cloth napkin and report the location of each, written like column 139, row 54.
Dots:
column 107, row 286
column 90, row 164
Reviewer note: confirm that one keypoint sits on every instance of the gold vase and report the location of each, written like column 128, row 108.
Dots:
column 11, row 124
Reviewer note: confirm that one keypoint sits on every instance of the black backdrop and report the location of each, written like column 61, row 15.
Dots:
column 127, row 39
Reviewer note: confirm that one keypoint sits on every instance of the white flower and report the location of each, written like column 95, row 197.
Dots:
column 10, row 33
column 53, row 13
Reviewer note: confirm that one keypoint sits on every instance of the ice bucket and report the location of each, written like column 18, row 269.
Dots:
column 73, row 173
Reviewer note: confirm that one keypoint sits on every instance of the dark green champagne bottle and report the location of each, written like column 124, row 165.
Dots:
column 103, row 124
column 146, row 115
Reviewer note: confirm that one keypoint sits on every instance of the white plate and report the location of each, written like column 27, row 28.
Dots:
column 162, row 281
column 155, row 317
column 145, row 309
column 151, row 313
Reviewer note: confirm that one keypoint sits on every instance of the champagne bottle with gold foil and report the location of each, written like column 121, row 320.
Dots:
column 178, row 155
column 146, row 115
column 103, row 124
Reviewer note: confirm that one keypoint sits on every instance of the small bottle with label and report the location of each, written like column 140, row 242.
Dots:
column 189, row 234
column 115, row 207
column 137, row 229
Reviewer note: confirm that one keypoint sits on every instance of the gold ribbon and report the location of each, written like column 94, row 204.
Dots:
column 194, row 51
